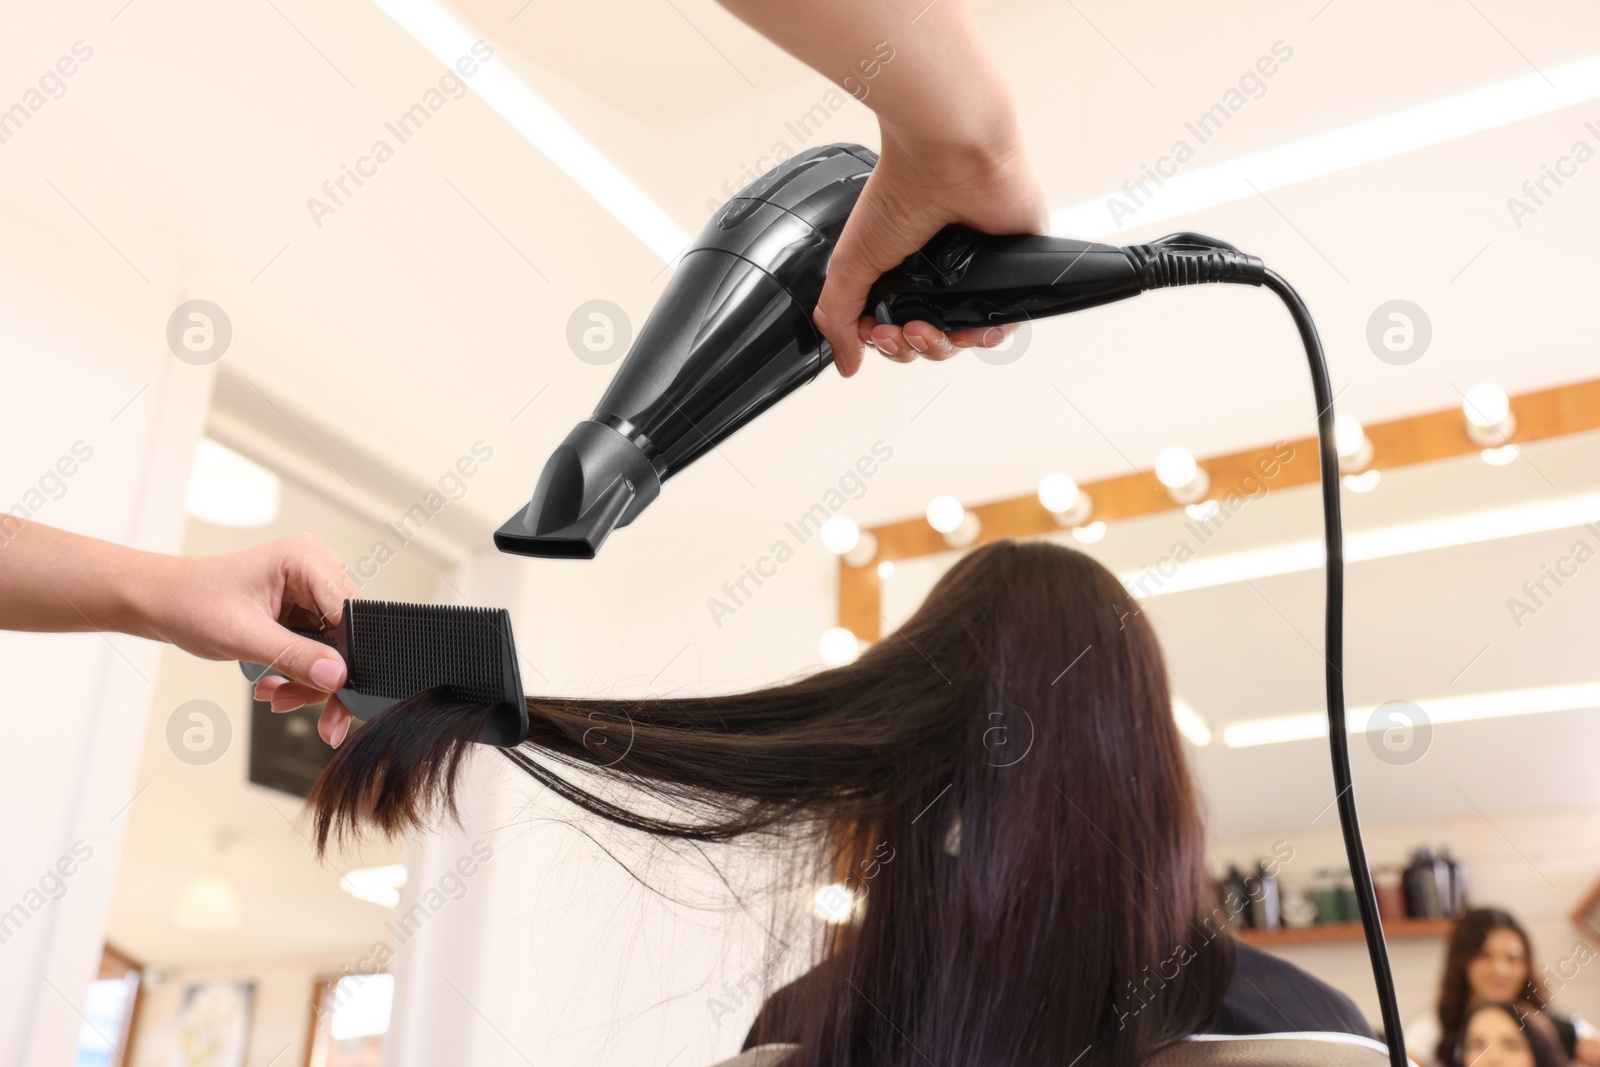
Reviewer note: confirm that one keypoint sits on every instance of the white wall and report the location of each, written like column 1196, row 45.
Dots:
column 1539, row 865
column 75, row 706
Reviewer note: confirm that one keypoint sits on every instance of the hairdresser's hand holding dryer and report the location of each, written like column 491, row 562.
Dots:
column 951, row 152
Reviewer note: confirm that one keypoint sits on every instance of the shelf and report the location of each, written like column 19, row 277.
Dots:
column 1331, row 932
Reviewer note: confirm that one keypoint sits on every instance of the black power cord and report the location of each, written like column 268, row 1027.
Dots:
column 1333, row 653
column 1196, row 259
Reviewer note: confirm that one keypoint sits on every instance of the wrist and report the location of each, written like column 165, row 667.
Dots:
column 140, row 586
column 986, row 135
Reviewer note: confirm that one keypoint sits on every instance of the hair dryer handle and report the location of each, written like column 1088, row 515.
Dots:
column 964, row 279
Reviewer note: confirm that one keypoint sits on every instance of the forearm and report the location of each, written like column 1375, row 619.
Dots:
column 939, row 84
column 54, row 581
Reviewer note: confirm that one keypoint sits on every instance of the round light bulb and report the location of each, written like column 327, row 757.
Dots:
column 1058, row 493
column 838, row 646
column 1348, row 436
column 1175, row 467
column 834, row 903
column 945, row 514
column 1089, row 533
column 840, row 534
column 1365, row 482
column 1500, row 457
column 886, row 569
column 1486, row 405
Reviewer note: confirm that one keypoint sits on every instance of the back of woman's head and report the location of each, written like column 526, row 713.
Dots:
column 999, row 782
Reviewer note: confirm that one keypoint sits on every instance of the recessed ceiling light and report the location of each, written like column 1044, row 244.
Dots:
column 378, row 885
column 210, row 902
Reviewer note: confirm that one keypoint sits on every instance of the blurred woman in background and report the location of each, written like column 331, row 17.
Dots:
column 1490, row 961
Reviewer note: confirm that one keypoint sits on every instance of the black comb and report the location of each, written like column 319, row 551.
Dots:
column 395, row 650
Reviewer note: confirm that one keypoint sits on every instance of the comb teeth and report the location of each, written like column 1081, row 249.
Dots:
column 400, row 649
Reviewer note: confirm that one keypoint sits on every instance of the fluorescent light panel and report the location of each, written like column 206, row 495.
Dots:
column 1346, row 147
column 1362, row 545
column 438, row 30
column 1190, row 723
column 1464, row 708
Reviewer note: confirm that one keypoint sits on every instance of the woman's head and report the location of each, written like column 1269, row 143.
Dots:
column 1023, row 711
column 1499, row 1034
column 1489, row 959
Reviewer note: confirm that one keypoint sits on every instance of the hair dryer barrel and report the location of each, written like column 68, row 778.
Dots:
column 730, row 337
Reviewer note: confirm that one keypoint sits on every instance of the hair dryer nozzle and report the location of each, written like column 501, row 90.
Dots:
column 594, row 482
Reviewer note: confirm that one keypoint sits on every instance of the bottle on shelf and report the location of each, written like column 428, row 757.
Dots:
column 1236, row 895
column 1325, row 891
column 1458, row 882
column 1427, row 885
column 1386, row 881
column 1265, row 899
column 1349, row 909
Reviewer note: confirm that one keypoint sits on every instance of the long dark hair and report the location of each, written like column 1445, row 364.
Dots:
column 1542, row 1040
column 1455, row 995
column 1000, row 783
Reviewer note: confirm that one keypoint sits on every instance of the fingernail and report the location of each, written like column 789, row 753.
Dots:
column 916, row 342
column 327, row 675
column 339, row 732
column 287, row 703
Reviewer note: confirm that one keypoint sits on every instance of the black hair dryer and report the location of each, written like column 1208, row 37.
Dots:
column 733, row 335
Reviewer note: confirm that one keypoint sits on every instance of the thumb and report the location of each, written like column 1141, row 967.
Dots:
column 869, row 246
column 298, row 658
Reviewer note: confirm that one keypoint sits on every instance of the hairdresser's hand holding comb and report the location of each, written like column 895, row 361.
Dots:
column 232, row 607
column 951, row 151
column 239, row 607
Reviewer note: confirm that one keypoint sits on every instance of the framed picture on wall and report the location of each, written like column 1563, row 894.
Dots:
column 214, row 1024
